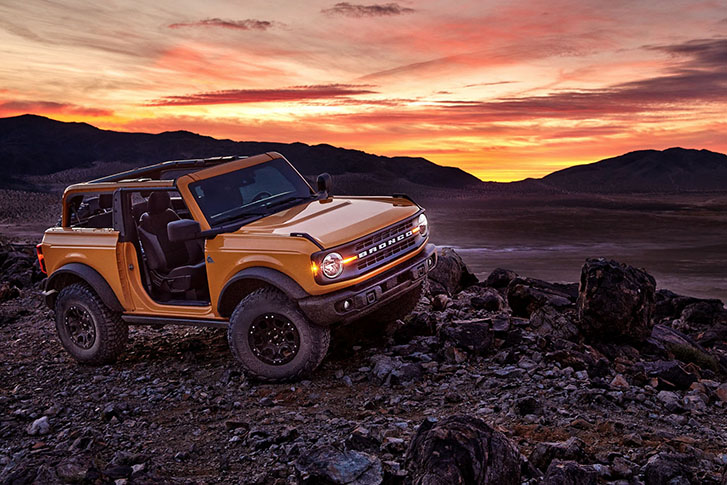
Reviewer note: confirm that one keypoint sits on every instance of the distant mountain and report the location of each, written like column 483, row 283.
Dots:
column 671, row 170
column 32, row 146
column 35, row 145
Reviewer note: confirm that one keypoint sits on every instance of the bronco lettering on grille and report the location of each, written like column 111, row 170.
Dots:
column 385, row 244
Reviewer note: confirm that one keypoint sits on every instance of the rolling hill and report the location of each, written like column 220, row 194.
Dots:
column 671, row 170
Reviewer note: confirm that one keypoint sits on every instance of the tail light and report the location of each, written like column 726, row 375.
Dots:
column 41, row 258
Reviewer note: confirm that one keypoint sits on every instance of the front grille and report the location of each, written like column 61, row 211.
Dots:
column 386, row 253
column 369, row 255
column 383, row 235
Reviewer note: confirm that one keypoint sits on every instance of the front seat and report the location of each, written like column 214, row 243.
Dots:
column 175, row 267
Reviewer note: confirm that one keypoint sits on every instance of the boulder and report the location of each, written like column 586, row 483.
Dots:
column 473, row 336
column 569, row 473
column 327, row 465
column 525, row 295
column 670, row 305
column 451, row 275
column 500, row 278
column 489, row 300
column 463, row 450
column 549, row 322
column 668, row 469
column 667, row 341
column 545, row 453
column 8, row 292
column 615, row 301
column 671, row 373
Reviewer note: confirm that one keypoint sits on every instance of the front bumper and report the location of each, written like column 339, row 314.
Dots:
column 345, row 306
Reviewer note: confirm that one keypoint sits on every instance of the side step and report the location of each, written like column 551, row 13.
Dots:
column 192, row 322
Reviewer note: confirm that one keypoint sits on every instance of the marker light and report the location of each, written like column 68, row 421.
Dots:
column 348, row 260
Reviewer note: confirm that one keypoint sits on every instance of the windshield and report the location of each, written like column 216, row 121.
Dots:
column 253, row 191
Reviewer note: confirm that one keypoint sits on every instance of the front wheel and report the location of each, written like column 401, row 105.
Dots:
column 273, row 340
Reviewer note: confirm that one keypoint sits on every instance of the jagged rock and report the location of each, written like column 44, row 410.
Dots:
column 463, row 450
column 668, row 469
column 569, row 473
column 40, row 426
column 721, row 392
column 549, row 322
column 545, row 453
column 474, row 336
column 8, row 292
column 525, row 295
column 451, row 275
column 528, row 405
column 500, row 278
column 703, row 312
column 615, row 301
column 670, row 305
column 361, row 439
column 489, row 300
column 327, row 465
column 73, row 469
column 414, row 325
column 670, row 341
column 439, row 302
column 671, row 372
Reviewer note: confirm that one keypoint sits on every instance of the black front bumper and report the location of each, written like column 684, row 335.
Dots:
column 372, row 294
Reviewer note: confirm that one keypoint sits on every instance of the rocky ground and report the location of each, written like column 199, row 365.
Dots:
column 508, row 380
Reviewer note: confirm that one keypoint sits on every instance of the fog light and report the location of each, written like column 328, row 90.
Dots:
column 431, row 261
column 347, row 304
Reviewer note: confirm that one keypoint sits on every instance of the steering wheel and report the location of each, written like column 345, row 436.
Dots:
column 261, row 196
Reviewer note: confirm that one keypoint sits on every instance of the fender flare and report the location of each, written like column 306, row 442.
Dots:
column 269, row 276
column 91, row 277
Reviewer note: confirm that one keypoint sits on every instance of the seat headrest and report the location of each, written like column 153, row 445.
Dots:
column 158, row 202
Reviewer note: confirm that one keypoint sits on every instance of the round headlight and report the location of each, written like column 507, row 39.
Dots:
column 332, row 265
column 423, row 224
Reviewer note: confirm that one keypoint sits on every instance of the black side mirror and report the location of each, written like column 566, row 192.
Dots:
column 324, row 183
column 183, row 230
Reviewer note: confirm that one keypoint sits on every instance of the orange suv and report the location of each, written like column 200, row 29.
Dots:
column 242, row 243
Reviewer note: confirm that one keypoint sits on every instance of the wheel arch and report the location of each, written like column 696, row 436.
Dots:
column 81, row 273
column 251, row 279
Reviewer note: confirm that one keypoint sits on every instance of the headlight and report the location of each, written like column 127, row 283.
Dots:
column 332, row 265
column 423, row 225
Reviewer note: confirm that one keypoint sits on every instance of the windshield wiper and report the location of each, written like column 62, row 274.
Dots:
column 286, row 201
column 241, row 215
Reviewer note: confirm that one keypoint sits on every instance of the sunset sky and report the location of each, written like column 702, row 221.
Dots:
column 503, row 89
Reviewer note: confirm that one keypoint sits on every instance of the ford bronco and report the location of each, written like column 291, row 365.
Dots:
column 242, row 243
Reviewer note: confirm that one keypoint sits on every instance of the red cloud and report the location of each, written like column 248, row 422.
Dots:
column 239, row 96
column 247, row 24
column 9, row 108
column 376, row 10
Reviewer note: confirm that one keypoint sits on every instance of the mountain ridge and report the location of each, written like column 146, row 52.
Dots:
column 32, row 145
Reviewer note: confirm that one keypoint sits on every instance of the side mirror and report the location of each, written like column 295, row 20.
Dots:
column 324, row 183
column 183, row 230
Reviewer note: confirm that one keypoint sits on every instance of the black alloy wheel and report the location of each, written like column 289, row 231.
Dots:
column 80, row 327
column 274, row 339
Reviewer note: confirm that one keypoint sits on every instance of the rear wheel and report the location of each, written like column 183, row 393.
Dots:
column 90, row 331
column 273, row 340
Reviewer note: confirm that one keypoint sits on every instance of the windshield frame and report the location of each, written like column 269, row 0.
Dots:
column 186, row 183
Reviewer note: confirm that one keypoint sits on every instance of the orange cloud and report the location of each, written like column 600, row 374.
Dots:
column 11, row 108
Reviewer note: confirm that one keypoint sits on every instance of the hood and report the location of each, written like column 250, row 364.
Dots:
column 335, row 220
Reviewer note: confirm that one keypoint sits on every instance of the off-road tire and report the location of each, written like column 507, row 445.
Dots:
column 397, row 308
column 110, row 332
column 313, row 339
